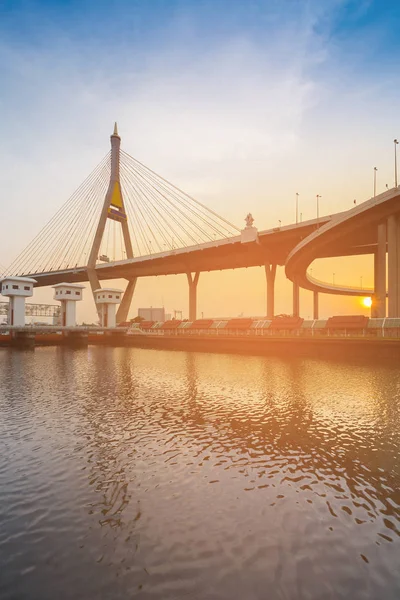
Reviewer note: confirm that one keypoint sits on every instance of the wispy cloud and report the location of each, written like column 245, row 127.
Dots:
column 227, row 100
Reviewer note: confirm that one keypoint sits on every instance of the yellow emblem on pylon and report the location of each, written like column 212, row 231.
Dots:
column 116, row 198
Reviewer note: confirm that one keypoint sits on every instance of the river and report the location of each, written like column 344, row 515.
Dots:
column 128, row 473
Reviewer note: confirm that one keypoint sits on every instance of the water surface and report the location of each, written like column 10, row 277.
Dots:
column 128, row 473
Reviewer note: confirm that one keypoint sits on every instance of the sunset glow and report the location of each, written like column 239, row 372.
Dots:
column 367, row 302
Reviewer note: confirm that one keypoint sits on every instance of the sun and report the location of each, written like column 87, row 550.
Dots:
column 367, row 302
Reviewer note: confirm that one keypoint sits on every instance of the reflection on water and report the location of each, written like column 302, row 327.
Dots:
column 136, row 473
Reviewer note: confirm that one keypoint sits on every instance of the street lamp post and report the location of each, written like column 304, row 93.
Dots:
column 318, row 197
column 375, row 170
column 297, row 207
column 395, row 162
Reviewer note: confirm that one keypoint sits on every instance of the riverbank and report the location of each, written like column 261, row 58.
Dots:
column 329, row 347
column 278, row 346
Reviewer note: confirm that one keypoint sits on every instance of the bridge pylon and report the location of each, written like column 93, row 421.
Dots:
column 113, row 209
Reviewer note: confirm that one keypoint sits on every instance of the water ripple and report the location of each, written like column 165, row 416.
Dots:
column 149, row 474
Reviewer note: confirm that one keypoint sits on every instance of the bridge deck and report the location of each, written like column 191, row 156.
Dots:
column 273, row 246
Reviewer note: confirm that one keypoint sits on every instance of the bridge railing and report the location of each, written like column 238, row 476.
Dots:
column 356, row 326
column 336, row 286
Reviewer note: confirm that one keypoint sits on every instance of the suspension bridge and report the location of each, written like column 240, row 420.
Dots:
column 125, row 222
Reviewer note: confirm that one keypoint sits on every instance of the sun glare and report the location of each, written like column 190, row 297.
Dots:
column 367, row 302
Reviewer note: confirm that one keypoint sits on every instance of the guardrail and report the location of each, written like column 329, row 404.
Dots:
column 371, row 328
column 60, row 329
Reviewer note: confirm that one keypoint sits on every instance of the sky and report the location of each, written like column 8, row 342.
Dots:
column 241, row 104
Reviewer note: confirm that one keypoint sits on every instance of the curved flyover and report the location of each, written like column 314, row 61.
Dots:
column 353, row 231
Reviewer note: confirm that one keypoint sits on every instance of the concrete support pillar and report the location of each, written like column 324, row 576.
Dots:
column 123, row 310
column 315, row 305
column 68, row 314
column 393, row 291
column 193, row 281
column 398, row 266
column 296, row 300
column 270, row 273
column 16, row 311
column 378, row 309
column 107, row 315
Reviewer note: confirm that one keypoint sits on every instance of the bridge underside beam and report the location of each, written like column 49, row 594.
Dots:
column 174, row 266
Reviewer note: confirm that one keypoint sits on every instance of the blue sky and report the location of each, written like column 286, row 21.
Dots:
column 146, row 24
column 239, row 103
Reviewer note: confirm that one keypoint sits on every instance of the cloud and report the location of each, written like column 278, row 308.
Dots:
column 189, row 116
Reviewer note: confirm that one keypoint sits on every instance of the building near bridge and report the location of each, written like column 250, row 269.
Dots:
column 152, row 314
column 17, row 289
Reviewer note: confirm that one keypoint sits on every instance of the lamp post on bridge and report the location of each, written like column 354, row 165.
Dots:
column 318, row 197
column 395, row 162
column 375, row 170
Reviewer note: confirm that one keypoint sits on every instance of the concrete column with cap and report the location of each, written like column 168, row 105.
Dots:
column 392, row 238
column 17, row 289
column 315, row 305
column 106, row 301
column 270, row 273
column 378, row 309
column 193, row 281
column 68, row 294
column 296, row 299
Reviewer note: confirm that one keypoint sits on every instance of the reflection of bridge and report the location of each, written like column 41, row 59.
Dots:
column 150, row 227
